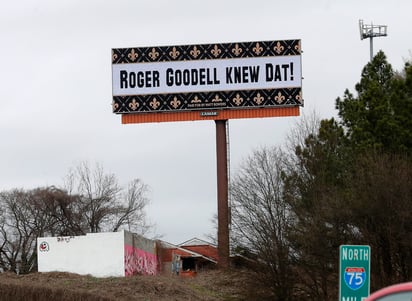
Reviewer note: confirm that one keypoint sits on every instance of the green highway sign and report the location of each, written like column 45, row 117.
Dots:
column 354, row 272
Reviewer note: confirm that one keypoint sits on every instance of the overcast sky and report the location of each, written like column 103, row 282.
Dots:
column 56, row 89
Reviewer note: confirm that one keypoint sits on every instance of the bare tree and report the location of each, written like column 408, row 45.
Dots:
column 261, row 217
column 98, row 193
column 105, row 205
column 19, row 225
column 26, row 215
column 60, row 210
column 131, row 212
column 305, row 126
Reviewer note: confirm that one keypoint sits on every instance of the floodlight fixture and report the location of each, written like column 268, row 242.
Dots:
column 372, row 31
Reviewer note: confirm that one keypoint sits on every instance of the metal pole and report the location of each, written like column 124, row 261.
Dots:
column 222, row 195
column 371, row 47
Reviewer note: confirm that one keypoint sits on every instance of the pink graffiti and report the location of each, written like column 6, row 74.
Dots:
column 137, row 261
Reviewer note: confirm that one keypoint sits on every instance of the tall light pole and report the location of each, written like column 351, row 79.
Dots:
column 372, row 31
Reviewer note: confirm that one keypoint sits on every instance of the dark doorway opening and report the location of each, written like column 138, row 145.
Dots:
column 188, row 263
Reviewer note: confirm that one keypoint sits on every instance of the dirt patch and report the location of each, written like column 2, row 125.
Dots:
column 206, row 286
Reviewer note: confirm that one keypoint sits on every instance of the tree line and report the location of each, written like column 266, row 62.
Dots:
column 90, row 201
column 336, row 181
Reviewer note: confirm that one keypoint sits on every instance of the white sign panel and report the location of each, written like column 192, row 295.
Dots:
column 207, row 75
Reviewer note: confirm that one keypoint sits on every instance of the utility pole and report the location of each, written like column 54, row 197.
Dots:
column 372, row 31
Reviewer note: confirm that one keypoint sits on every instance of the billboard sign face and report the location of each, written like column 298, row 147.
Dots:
column 207, row 77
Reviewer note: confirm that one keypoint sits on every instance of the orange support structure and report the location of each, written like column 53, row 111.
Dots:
column 210, row 115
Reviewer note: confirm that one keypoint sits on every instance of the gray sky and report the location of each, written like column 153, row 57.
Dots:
column 55, row 88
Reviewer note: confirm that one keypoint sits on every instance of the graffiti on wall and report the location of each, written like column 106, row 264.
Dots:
column 44, row 247
column 137, row 261
column 65, row 238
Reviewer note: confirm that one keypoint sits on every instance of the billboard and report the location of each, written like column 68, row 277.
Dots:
column 208, row 78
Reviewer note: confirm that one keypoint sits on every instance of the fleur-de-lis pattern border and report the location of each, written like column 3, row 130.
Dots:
column 205, row 51
column 206, row 100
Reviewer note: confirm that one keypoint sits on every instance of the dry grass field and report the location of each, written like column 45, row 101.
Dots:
column 207, row 286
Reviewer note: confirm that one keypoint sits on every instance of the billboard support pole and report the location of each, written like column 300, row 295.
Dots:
column 222, row 194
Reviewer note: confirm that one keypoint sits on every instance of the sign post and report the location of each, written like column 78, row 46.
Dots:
column 354, row 272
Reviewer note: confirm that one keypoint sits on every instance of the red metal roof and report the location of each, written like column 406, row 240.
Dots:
column 205, row 250
column 167, row 254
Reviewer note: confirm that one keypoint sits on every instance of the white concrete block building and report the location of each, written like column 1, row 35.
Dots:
column 107, row 254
